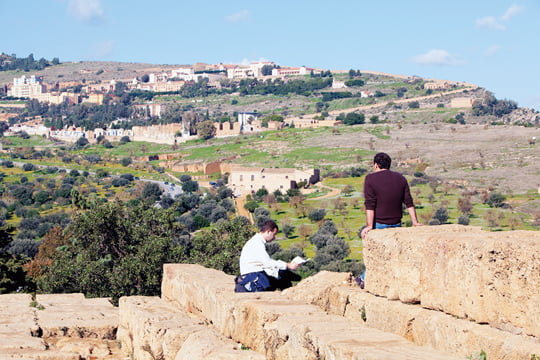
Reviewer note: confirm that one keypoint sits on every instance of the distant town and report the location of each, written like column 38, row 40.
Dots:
column 212, row 75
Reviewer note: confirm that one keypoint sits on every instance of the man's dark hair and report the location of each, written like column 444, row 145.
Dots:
column 269, row 225
column 383, row 160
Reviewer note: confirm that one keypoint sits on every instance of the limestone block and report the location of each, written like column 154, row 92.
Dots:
column 152, row 328
column 394, row 261
column 316, row 290
column 422, row 326
column 488, row 277
column 202, row 345
column 73, row 315
column 278, row 327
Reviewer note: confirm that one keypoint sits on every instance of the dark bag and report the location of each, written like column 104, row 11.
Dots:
column 252, row 282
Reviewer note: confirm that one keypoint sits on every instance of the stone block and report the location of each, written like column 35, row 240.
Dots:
column 486, row 277
column 73, row 315
column 152, row 328
column 278, row 327
column 422, row 326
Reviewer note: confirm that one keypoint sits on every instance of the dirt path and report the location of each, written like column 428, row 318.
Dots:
column 240, row 210
column 331, row 191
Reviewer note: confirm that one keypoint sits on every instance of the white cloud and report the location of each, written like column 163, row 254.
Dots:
column 514, row 9
column 86, row 10
column 437, row 57
column 493, row 23
column 493, row 50
column 489, row 22
column 239, row 16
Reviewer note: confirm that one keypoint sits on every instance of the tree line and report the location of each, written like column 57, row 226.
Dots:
column 28, row 63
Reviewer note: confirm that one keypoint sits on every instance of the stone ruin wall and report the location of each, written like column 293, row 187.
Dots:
column 445, row 292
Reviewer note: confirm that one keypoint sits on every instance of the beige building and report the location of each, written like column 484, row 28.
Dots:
column 27, row 87
column 247, row 180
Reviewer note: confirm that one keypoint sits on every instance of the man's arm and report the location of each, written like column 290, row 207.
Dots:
column 370, row 220
column 412, row 214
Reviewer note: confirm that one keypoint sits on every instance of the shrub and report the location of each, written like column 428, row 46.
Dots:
column 495, row 199
column 441, row 215
column 317, row 215
column 28, row 167
column 463, row 220
column 126, row 161
column 120, row 182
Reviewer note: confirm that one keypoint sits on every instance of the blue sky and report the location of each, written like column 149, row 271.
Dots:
column 493, row 44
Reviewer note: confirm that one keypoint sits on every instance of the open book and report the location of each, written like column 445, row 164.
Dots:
column 298, row 260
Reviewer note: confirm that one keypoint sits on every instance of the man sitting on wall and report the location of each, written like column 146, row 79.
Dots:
column 257, row 268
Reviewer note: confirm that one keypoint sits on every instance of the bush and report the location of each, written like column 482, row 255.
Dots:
column 495, row 199
column 120, row 182
column 414, row 105
column 463, row 220
column 126, row 161
column 441, row 215
column 328, row 227
column 320, row 239
column 28, row 167
column 316, row 215
column 128, row 177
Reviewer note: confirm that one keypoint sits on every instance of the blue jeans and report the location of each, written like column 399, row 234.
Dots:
column 386, row 226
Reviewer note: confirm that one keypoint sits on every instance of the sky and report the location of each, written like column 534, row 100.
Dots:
column 491, row 43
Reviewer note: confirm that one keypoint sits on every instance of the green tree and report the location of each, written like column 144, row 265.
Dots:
column 190, row 186
column 495, row 199
column 267, row 70
column 151, row 192
column 251, row 206
column 115, row 251
column 441, row 215
column 206, row 130
column 414, row 104
column 354, row 118
column 12, row 274
column 317, row 215
column 219, row 248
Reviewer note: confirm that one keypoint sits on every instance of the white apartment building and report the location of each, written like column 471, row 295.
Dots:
column 27, row 87
column 291, row 71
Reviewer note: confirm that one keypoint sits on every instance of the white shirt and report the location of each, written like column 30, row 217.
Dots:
column 254, row 258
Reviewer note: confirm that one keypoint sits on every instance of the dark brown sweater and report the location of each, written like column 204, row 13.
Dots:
column 384, row 192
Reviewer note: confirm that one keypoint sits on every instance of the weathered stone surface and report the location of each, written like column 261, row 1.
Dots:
column 280, row 328
column 487, row 277
column 151, row 328
column 332, row 292
column 202, row 345
column 73, row 315
column 61, row 326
